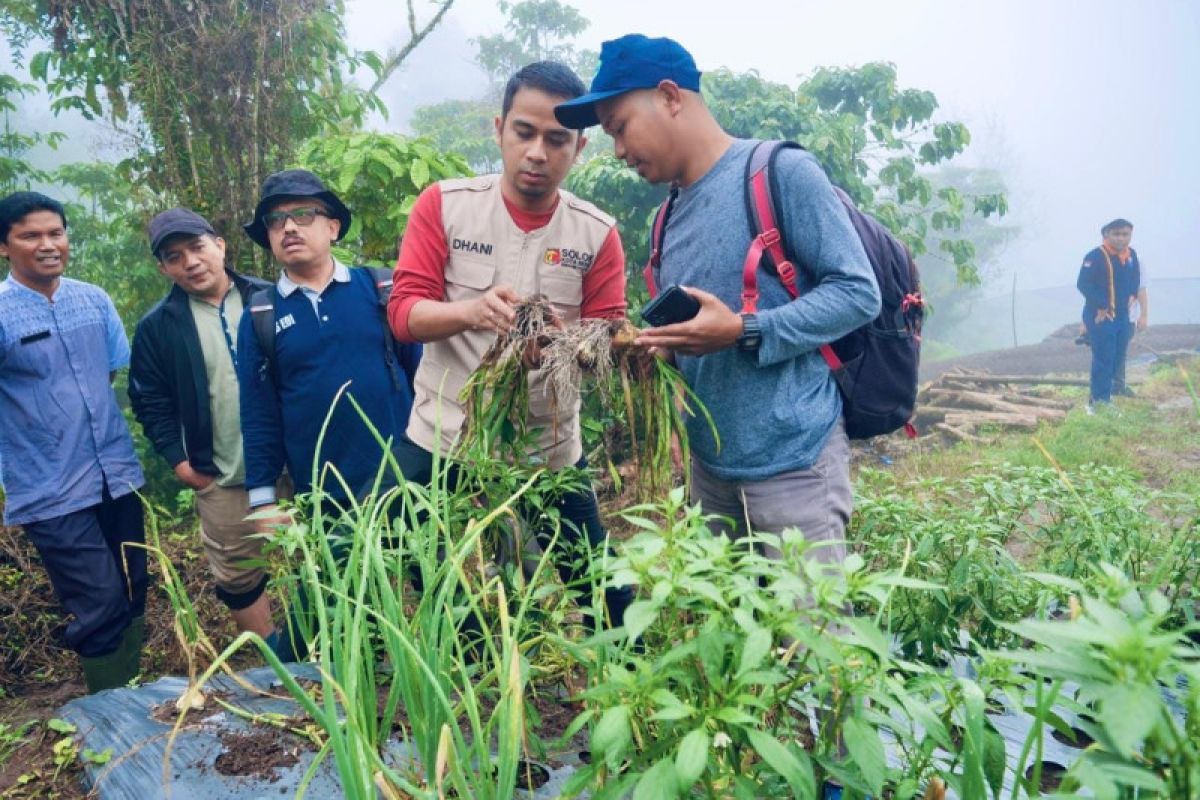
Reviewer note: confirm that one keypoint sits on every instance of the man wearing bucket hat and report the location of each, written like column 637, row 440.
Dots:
column 183, row 388
column 325, row 330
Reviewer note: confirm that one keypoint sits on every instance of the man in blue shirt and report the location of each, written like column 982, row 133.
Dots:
column 67, row 462
column 330, row 336
column 1109, row 280
column 787, row 464
column 330, row 332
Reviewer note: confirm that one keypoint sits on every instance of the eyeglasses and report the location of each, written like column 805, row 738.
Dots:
column 303, row 217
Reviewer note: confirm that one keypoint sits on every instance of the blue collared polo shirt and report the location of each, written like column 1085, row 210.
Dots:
column 62, row 435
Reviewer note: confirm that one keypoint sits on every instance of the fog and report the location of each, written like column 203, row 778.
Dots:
column 1089, row 109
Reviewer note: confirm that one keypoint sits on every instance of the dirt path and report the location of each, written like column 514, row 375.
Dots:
column 1058, row 354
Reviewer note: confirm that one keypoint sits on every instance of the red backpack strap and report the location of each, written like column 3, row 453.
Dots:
column 761, row 205
column 657, row 234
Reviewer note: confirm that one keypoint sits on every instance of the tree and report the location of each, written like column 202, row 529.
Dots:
column 464, row 127
column 215, row 94
column 536, row 30
column 15, row 171
column 875, row 140
column 621, row 192
column 378, row 176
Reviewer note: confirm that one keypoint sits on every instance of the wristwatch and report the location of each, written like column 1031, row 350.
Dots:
column 751, row 336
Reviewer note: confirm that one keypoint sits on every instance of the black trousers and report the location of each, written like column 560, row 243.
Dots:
column 580, row 516
column 97, row 580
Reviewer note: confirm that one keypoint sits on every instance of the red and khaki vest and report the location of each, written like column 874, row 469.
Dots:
column 488, row 249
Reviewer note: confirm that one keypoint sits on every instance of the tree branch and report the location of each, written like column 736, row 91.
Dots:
column 395, row 59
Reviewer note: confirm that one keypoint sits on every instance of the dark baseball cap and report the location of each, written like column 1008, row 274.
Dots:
column 632, row 62
column 176, row 222
column 293, row 184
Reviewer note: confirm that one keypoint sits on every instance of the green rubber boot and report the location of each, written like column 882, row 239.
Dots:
column 106, row 672
column 131, row 645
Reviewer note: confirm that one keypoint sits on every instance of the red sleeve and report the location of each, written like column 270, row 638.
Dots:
column 421, row 268
column 604, row 283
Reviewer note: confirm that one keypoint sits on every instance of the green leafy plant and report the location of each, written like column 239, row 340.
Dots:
column 741, row 675
column 378, row 175
column 1122, row 651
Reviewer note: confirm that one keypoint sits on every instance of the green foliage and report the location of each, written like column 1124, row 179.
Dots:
column 464, row 127
column 535, row 30
column 619, row 191
column 107, row 226
column 206, row 90
column 15, row 172
column 1120, row 651
column 378, row 176
column 875, row 140
column 962, row 534
column 733, row 649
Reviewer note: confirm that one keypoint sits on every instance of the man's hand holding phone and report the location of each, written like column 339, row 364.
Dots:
column 712, row 326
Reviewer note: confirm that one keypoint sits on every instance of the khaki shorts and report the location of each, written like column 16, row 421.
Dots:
column 227, row 536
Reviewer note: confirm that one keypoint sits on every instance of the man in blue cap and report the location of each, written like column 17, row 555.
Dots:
column 325, row 329
column 786, row 466
column 791, row 460
column 183, row 388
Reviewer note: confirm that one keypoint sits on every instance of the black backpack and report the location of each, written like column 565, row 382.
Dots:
column 875, row 366
column 262, row 317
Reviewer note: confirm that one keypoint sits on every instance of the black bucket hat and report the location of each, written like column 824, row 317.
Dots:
column 292, row 184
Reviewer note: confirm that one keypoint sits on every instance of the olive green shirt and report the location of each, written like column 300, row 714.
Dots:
column 218, row 329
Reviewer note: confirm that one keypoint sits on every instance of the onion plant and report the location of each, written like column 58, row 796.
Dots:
column 394, row 661
column 648, row 396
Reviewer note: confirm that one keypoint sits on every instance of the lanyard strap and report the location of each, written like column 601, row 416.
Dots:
column 225, row 329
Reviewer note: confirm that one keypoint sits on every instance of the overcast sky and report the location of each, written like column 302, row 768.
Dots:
column 1090, row 108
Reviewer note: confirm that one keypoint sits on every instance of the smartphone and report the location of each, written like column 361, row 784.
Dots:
column 671, row 305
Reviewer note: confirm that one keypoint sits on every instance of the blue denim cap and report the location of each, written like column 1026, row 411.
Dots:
column 632, row 62
column 293, row 184
column 176, row 222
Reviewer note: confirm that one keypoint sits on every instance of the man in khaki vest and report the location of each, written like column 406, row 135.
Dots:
column 473, row 249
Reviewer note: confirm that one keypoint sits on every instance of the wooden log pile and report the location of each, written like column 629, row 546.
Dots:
column 958, row 403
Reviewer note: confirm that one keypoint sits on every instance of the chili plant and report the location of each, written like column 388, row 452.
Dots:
column 1125, row 656
column 743, row 676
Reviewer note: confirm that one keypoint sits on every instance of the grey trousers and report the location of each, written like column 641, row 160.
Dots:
column 817, row 500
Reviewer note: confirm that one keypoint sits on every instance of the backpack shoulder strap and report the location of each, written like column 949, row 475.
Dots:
column 382, row 277
column 761, row 208
column 657, row 233
column 262, row 319
column 762, row 204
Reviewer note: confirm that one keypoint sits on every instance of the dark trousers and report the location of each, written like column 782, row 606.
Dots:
column 96, row 579
column 1119, row 367
column 580, row 517
column 1110, row 342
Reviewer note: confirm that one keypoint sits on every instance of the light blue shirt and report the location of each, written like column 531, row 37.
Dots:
column 62, row 434
column 773, row 409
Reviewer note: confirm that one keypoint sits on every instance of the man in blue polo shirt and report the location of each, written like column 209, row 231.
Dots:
column 67, row 462
column 329, row 332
